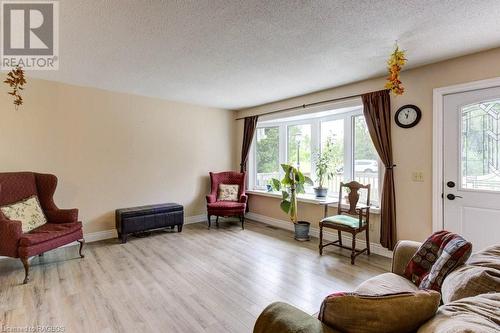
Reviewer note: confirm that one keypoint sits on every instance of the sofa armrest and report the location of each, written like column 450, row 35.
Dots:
column 403, row 252
column 211, row 198
column 284, row 318
column 10, row 232
column 62, row 215
column 243, row 198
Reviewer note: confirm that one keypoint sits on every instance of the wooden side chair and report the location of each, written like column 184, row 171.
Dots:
column 353, row 220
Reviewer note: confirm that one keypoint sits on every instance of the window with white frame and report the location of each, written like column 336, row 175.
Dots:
column 298, row 139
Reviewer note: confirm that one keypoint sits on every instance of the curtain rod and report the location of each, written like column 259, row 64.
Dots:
column 303, row 106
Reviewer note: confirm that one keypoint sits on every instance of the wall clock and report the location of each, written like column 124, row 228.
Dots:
column 408, row 116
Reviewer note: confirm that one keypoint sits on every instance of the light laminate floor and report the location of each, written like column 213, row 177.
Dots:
column 200, row 280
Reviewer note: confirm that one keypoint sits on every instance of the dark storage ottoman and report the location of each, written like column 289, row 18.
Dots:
column 145, row 218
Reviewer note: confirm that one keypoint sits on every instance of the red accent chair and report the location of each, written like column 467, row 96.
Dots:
column 62, row 225
column 227, row 208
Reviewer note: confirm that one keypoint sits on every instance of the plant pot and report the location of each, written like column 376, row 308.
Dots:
column 320, row 192
column 302, row 231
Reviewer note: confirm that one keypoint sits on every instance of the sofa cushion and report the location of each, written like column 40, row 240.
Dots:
column 28, row 211
column 489, row 257
column 386, row 283
column 478, row 314
column 468, row 281
column 228, row 192
column 354, row 313
column 439, row 255
column 48, row 232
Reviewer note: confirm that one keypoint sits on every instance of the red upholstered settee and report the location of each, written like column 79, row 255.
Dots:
column 62, row 225
column 227, row 208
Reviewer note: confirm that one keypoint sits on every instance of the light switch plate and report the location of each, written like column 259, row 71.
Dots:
column 417, row 176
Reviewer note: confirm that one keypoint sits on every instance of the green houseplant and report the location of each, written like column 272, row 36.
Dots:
column 326, row 160
column 293, row 183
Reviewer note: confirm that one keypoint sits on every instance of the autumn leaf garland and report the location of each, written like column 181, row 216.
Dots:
column 395, row 63
column 16, row 80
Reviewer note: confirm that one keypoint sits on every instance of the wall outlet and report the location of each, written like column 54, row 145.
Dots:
column 417, row 176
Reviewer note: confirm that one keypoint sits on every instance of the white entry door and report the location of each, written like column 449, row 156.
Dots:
column 471, row 160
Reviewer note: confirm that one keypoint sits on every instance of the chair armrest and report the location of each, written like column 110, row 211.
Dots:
column 284, row 318
column 243, row 198
column 10, row 232
column 211, row 198
column 62, row 215
column 403, row 252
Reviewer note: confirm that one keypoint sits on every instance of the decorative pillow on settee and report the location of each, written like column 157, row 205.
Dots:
column 28, row 211
column 391, row 313
column 439, row 255
column 228, row 192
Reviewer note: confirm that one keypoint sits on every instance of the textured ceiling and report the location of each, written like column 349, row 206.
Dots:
column 236, row 54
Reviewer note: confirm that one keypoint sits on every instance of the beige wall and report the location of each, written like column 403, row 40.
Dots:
column 112, row 150
column 412, row 147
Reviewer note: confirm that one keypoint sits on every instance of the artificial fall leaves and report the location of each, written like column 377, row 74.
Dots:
column 395, row 63
column 16, row 80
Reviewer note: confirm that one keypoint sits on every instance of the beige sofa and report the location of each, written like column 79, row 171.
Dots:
column 470, row 296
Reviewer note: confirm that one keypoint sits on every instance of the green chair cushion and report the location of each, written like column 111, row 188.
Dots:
column 344, row 220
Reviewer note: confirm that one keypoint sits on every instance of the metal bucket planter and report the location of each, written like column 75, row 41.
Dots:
column 302, row 231
column 320, row 192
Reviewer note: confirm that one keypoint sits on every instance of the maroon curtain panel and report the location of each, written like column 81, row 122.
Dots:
column 377, row 112
column 248, row 133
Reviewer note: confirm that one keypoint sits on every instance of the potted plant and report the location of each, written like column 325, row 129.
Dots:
column 292, row 184
column 325, row 168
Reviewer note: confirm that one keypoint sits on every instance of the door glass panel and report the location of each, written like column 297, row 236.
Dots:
column 480, row 137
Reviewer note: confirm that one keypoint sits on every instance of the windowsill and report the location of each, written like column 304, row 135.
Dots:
column 307, row 198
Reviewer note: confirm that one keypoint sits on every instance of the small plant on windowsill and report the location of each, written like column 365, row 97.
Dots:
column 293, row 183
column 325, row 167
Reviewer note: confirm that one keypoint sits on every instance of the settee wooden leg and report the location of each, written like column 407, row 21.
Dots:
column 217, row 222
column 242, row 219
column 82, row 242
column 208, row 220
column 41, row 254
column 179, row 227
column 26, row 265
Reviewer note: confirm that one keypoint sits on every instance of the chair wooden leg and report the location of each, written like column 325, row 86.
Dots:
column 217, row 222
column 367, row 240
column 339, row 233
column 320, row 240
column 208, row 220
column 26, row 265
column 242, row 218
column 353, row 253
column 82, row 242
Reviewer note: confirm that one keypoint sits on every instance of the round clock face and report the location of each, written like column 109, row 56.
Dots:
column 408, row 116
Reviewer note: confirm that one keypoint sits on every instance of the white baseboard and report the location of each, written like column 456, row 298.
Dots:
column 314, row 232
column 111, row 233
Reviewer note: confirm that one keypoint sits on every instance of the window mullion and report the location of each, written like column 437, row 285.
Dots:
column 348, row 147
column 283, row 151
column 315, row 145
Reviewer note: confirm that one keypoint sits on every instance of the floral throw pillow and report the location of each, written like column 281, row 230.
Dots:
column 228, row 192
column 28, row 211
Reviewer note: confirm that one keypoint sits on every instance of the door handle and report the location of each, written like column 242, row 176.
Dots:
column 452, row 196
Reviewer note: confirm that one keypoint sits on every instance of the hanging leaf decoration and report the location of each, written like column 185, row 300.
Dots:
column 16, row 80
column 395, row 63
